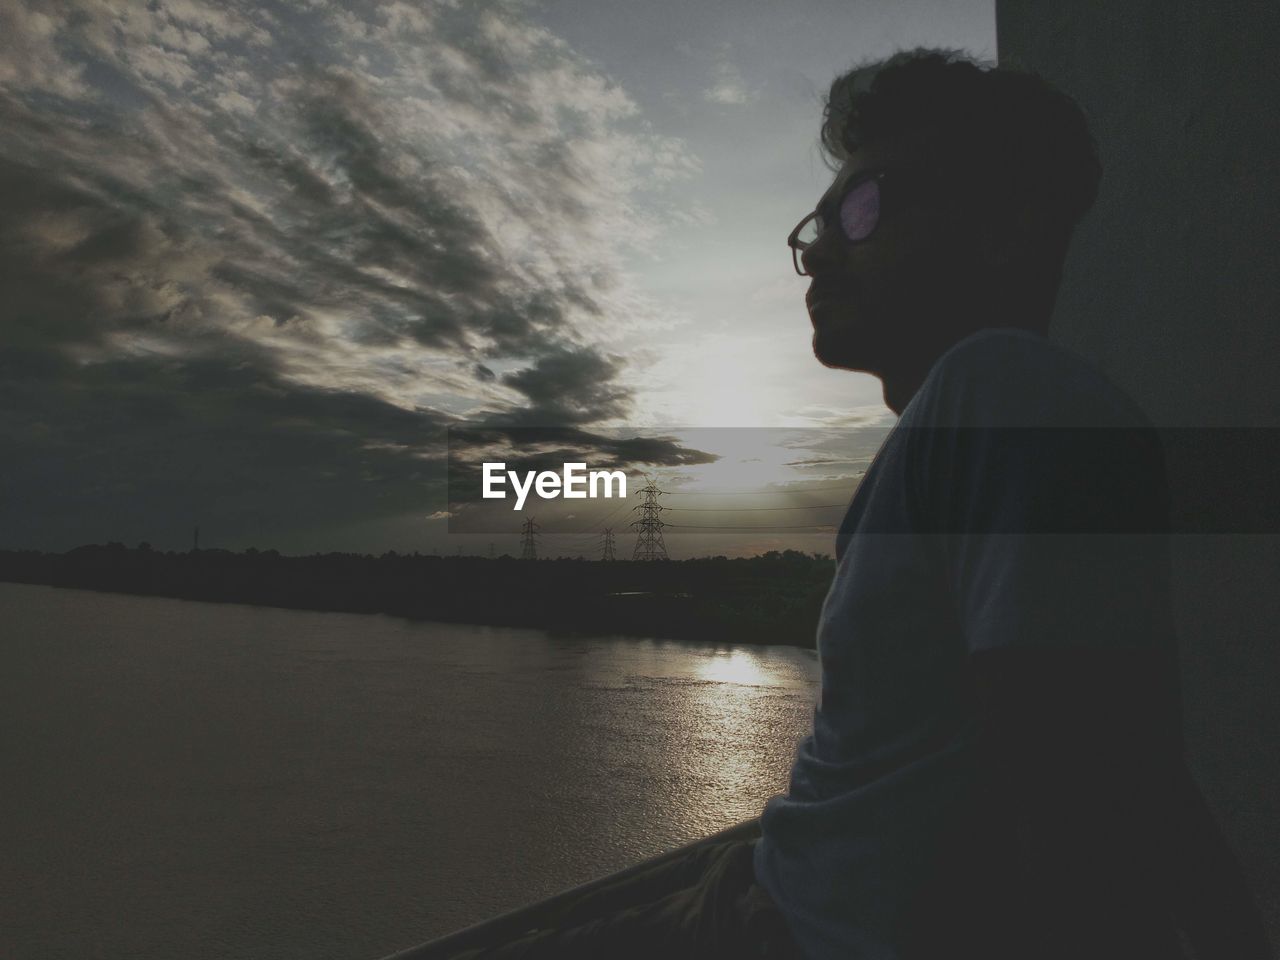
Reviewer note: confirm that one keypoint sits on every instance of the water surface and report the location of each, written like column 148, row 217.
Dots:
column 206, row 780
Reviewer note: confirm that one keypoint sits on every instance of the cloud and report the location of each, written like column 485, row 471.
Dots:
column 550, row 446
column 30, row 56
column 148, row 445
column 308, row 235
column 727, row 83
column 571, row 385
column 852, row 418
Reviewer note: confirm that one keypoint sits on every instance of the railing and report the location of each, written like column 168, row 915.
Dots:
column 508, row 926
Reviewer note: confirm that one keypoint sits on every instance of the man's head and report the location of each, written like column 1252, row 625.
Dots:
column 970, row 181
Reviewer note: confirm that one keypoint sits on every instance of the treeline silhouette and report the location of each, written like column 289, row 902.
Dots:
column 773, row 598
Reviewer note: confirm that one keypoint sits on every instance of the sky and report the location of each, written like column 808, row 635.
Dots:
column 257, row 258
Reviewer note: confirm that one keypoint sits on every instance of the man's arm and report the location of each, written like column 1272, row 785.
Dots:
column 1081, row 752
column 1047, row 494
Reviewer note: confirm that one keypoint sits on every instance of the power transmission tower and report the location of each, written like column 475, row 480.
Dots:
column 649, row 545
column 608, row 545
column 529, row 541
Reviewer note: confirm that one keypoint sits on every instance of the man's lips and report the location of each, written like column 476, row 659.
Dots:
column 820, row 294
column 822, row 298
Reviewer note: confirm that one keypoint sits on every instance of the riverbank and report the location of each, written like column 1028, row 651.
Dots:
column 772, row 599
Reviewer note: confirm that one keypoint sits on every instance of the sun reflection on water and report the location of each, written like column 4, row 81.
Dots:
column 698, row 736
column 730, row 759
column 734, row 666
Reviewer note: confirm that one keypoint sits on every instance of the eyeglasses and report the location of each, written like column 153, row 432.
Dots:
column 859, row 212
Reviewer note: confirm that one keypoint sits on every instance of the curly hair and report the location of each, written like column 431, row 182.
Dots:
column 1009, row 137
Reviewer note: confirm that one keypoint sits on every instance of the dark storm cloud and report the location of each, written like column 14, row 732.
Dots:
column 151, row 445
column 570, row 385
column 144, row 447
column 251, row 255
column 546, row 447
column 76, row 267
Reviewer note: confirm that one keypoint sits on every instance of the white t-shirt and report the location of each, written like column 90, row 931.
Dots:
column 1019, row 500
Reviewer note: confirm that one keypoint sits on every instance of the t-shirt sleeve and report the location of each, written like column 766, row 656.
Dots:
column 1042, row 496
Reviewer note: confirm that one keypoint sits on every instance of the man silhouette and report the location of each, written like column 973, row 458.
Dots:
column 996, row 765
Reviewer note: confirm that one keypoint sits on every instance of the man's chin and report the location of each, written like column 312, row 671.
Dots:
column 835, row 348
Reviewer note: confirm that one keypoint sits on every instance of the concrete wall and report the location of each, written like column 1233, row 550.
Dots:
column 1173, row 289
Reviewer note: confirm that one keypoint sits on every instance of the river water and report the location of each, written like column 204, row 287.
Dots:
column 208, row 780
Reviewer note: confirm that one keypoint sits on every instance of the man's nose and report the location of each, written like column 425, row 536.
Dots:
column 819, row 255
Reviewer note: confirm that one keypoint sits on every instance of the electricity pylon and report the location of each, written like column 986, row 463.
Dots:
column 649, row 545
column 529, row 541
column 608, row 545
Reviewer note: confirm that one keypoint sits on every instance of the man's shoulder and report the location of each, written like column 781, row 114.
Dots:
column 1003, row 376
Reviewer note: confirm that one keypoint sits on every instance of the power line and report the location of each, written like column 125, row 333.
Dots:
column 582, row 538
column 815, row 506
column 591, row 533
column 591, row 544
column 761, row 526
column 577, row 539
column 756, row 493
column 614, row 514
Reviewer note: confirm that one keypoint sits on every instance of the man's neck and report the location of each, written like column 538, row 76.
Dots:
column 900, row 388
column 906, row 377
